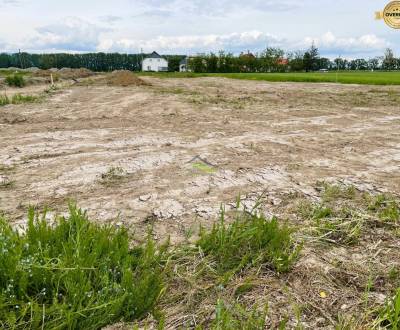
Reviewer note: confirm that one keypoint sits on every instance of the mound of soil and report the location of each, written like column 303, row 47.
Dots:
column 125, row 78
column 65, row 73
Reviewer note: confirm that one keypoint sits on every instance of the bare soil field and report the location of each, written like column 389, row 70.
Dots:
column 256, row 137
column 170, row 152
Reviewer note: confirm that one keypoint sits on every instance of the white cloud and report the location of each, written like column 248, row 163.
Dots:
column 254, row 40
column 330, row 43
column 10, row 2
column 72, row 34
column 110, row 19
column 221, row 7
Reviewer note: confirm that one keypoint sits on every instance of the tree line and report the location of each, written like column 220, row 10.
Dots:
column 277, row 60
column 270, row 60
column 93, row 61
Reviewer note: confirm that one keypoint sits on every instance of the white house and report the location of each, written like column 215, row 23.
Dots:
column 154, row 62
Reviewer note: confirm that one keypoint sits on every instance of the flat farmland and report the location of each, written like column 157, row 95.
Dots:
column 169, row 153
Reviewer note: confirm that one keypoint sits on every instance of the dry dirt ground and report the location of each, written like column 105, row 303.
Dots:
column 168, row 154
column 249, row 137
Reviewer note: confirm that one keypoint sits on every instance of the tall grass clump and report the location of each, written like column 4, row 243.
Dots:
column 389, row 317
column 251, row 240
column 75, row 274
column 4, row 100
column 18, row 99
column 237, row 318
column 15, row 80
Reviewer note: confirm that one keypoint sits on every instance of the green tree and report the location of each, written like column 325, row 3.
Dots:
column 389, row 61
column 311, row 58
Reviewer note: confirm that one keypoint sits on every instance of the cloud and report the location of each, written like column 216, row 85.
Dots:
column 72, row 34
column 255, row 41
column 9, row 3
column 236, row 42
column 110, row 19
column 214, row 8
column 329, row 43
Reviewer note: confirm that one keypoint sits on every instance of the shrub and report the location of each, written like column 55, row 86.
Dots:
column 75, row 274
column 249, row 240
column 16, row 80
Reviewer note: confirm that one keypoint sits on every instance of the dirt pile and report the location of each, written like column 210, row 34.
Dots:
column 64, row 73
column 125, row 78
column 67, row 73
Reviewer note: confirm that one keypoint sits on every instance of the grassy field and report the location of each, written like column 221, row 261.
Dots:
column 352, row 77
column 75, row 273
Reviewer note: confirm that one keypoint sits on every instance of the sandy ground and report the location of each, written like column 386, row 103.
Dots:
column 184, row 146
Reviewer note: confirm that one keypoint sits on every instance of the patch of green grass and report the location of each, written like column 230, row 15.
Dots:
column 333, row 192
column 204, row 168
column 18, row 99
column 6, row 184
column 113, row 175
column 75, row 274
column 341, row 228
column 394, row 275
column 244, row 288
column 15, row 80
column 251, row 240
column 343, row 77
column 386, row 207
column 237, row 317
column 389, row 316
column 344, row 212
column 7, row 72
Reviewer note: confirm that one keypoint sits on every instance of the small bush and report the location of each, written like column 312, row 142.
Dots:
column 75, row 274
column 249, row 240
column 15, row 80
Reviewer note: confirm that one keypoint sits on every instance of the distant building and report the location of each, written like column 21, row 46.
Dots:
column 155, row 63
column 282, row 61
column 184, row 65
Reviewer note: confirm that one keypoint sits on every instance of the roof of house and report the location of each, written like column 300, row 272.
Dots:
column 184, row 61
column 154, row 55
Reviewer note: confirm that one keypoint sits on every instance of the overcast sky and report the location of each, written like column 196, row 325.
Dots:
column 338, row 27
